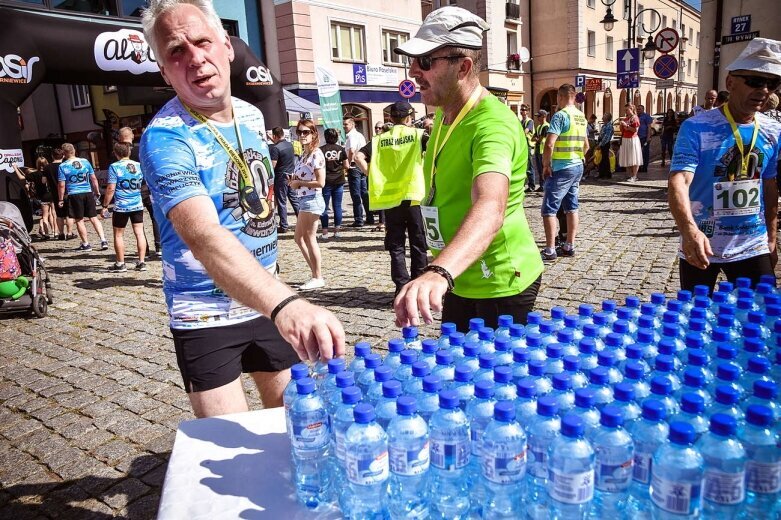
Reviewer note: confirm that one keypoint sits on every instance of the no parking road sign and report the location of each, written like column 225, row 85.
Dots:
column 666, row 40
column 407, row 88
column 665, row 66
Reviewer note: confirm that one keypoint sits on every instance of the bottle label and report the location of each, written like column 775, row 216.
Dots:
column 614, row 475
column 409, row 462
column 680, row 498
column 476, row 434
column 310, row 434
column 449, row 455
column 538, row 461
column 365, row 470
column 504, row 467
column 763, row 477
column 571, row 488
column 725, row 488
column 339, row 442
column 642, row 468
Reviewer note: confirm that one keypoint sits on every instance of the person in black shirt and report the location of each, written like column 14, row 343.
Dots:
column 336, row 165
column 63, row 223
column 283, row 160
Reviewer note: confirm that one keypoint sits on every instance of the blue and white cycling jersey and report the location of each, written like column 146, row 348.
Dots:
column 127, row 176
column 76, row 173
column 181, row 159
column 728, row 204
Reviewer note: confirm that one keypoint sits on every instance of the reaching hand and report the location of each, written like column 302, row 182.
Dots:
column 314, row 332
column 418, row 298
column 696, row 250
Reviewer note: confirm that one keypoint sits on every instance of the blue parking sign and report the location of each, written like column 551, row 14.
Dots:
column 580, row 80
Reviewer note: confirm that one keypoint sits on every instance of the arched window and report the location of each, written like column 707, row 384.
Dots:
column 694, row 100
column 361, row 116
column 659, row 103
column 686, row 103
column 548, row 101
column 649, row 103
column 669, row 101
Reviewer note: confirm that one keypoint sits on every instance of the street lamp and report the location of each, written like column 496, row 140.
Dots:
column 609, row 20
column 650, row 49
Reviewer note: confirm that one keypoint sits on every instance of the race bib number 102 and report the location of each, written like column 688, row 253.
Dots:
column 737, row 198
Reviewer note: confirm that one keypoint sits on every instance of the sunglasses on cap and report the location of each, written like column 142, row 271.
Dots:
column 425, row 62
column 304, row 131
column 760, row 81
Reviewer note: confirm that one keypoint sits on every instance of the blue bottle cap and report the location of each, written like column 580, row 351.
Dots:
column 505, row 320
column 344, row 379
column 727, row 371
column 553, row 351
column 654, row 410
column 517, row 330
column 448, row 399
column 429, row 346
column 476, row 324
column 502, row 344
column 634, row 370
column 546, row 327
column 621, row 326
column 645, row 336
column 745, row 304
column 684, row 296
column 773, row 310
column 503, row 374
column 658, row 298
column 391, row 389
column 646, row 322
column 743, row 282
column 585, row 310
column 572, row 426
column 661, row 385
column 547, row 406
column 664, row 363
column 363, row 413
column 562, row 381
column 431, row 384
column 444, row 357
column 758, row 365
column 670, row 330
column 682, row 433
column 571, row 363
column 471, row 349
column 723, row 424
column 504, row 411
column 725, row 320
column 335, row 365
column 487, row 360
column 694, row 339
column 725, row 351
column 698, row 358
column 584, row 398
column 396, row 345
column 751, row 331
column 647, row 309
column 591, row 330
column 701, row 302
column 351, row 395
column 726, row 287
column 299, row 371
column 533, row 318
column 765, row 389
column 727, row 309
column 756, row 317
column 420, row 369
column 447, row 328
column 769, row 279
column 632, row 301
column 726, row 394
column 536, row 367
column 613, row 340
column 406, row 405
column 456, row 339
column 587, row 345
column 759, row 415
column 383, row 373
column 565, row 336
column 674, row 307
column 372, row 360
column 694, row 377
column 608, row 306
column 408, row 356
column 598, row 376
column 485, row 334
column 558, row 313
column 520, row 355
column 700, row 314
column 624, row 392
column 611, row 417
column 571, row 321
column 526, row 389
column 701, row 290
column 305, row 385
column 606, row 358
column 484, row 389
column 634, row 352
column 409, row 332
column 463, row 373
column 666, row 346
column 362, row 349
column 692, row 403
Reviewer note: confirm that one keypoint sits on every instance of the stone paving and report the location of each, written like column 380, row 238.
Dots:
column 91, row 396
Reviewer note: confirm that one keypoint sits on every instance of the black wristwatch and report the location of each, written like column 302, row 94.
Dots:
column 444, row 273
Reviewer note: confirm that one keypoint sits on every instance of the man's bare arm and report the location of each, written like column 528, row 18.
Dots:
column 771, row 217
column 696, row 246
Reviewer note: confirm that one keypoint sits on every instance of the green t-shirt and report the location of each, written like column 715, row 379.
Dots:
column 488, row 139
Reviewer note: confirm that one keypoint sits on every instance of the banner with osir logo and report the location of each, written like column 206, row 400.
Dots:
column 330, row 99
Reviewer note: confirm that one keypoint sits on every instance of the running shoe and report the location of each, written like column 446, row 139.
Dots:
column 83, row 248
column 140, row 266
column 562, row 251
column 314, row 283
column 548, row 256
column 117, row 267
column 103, row 245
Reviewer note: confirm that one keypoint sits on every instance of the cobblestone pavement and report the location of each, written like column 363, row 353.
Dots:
column 91, row 396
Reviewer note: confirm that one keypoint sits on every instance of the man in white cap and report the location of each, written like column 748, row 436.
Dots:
column 486, row 262
column 722, row 186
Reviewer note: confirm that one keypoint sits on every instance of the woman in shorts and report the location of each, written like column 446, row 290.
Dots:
column 308, row 180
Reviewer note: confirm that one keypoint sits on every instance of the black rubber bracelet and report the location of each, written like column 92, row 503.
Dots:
column 281, row 305
column 444, row 273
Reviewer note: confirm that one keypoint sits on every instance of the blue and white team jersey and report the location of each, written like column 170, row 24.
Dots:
column 76, row 173
column 182, row 159
column 127, row 176
column 728, row 204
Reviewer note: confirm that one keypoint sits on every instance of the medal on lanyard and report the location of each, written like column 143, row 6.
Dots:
column 744, row 154
column 438, row 146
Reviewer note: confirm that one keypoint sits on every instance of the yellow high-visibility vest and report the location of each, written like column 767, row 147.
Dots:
column 396, row 168
column 569, row 145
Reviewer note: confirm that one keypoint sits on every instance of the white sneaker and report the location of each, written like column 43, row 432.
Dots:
column 324, row 235
column 314, row 283
column 337, row 234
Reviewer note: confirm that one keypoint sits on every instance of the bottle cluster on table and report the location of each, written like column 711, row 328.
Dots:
column 667, row 409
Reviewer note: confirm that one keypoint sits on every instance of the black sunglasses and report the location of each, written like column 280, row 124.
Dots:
column 760, row 81
column 304, row 131
column 425, row 62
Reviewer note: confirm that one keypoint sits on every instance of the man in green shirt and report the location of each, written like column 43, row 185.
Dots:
column 486, row 263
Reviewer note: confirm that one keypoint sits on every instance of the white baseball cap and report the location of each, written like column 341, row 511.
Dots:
column 760, row 55
column 447, row 26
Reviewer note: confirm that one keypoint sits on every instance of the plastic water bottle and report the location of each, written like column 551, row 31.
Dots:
column 343, row 418
column 367, row 466
column 765, row 393
column 547, row 334
column 566, row 340
column 651, row 311
column 457, row 342
column 666, row 347
column 694, row 383
column 428, row 353
column 572, row 369
column 587, row 353
column 475, row 324
column 328, row 383
column 374, row 393
column 534, row 346
column 598, row 383
column 615, row 453
column 727, row 401
column 393, row 357
column 571, row 461
column 446, row 329
column 585, row 409
column 408, row 449
column 428, row 398
column 504, row 464
column 626, row 331
column 563, row 393
column 362, row 349
column 366, row 377
column 526, row 402
column 693, row 412
column 450, row 451
column 757, row 369
column 633, row 375
column 504, row 357
column 333, row 398
column 648, row 434
column 572, row 326
column 554, row 363
column 585, row 315
column 485, row 337
column 662, row 390
column 541, row 431
column 414, row 385
column 624, row 400
column 411, row 338
column 728, row 374
column 310, row 439
column 763, row 467
column 753, row 345
column 608, row 359
column 504, row 388
column 609, row 310
column 537, row 377
column 486, row 363
column 319, row 371
column 479, row 412
column 520, row 363
column 676, row 476
column 463, row 385
column 635, row 353
column 725, row 469
column 386, row 406
column 672, row 331
column 470, row 356
column 503, row 328
column 297, row 372
column 444, row 369
column 517, row 335
column 645, row 341
column 404, row 370
column 557, row 315
column 596, row 330
column 700, row 359
column 664, row 366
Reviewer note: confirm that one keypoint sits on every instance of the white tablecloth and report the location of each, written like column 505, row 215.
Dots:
column 233, row 466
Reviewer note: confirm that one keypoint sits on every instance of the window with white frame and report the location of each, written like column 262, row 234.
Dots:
column 592, row 43
column 697, row 41
column 683, row 34
column 675, row 24
column 691, row 35
column 609, row 48
column 347, row 42
column 391, row 40
column 80, row 96
column 664, row 21
column 640, row 19
column 689, row 68
column 591, row 3
column 512, row 42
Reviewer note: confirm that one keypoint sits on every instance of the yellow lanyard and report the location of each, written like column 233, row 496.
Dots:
column 744, row 155
column 437, row 146
column 236, row 157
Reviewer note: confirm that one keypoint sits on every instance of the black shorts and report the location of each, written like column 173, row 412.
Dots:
column 459, row 310
column 119, row 219
column 82, row 205
column 61, row 212
column 212, row 357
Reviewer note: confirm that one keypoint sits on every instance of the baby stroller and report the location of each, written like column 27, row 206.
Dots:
column 24, row 282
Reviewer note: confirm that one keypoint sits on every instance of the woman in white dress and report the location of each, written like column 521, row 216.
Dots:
column 308, row 180
column 630, row 156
